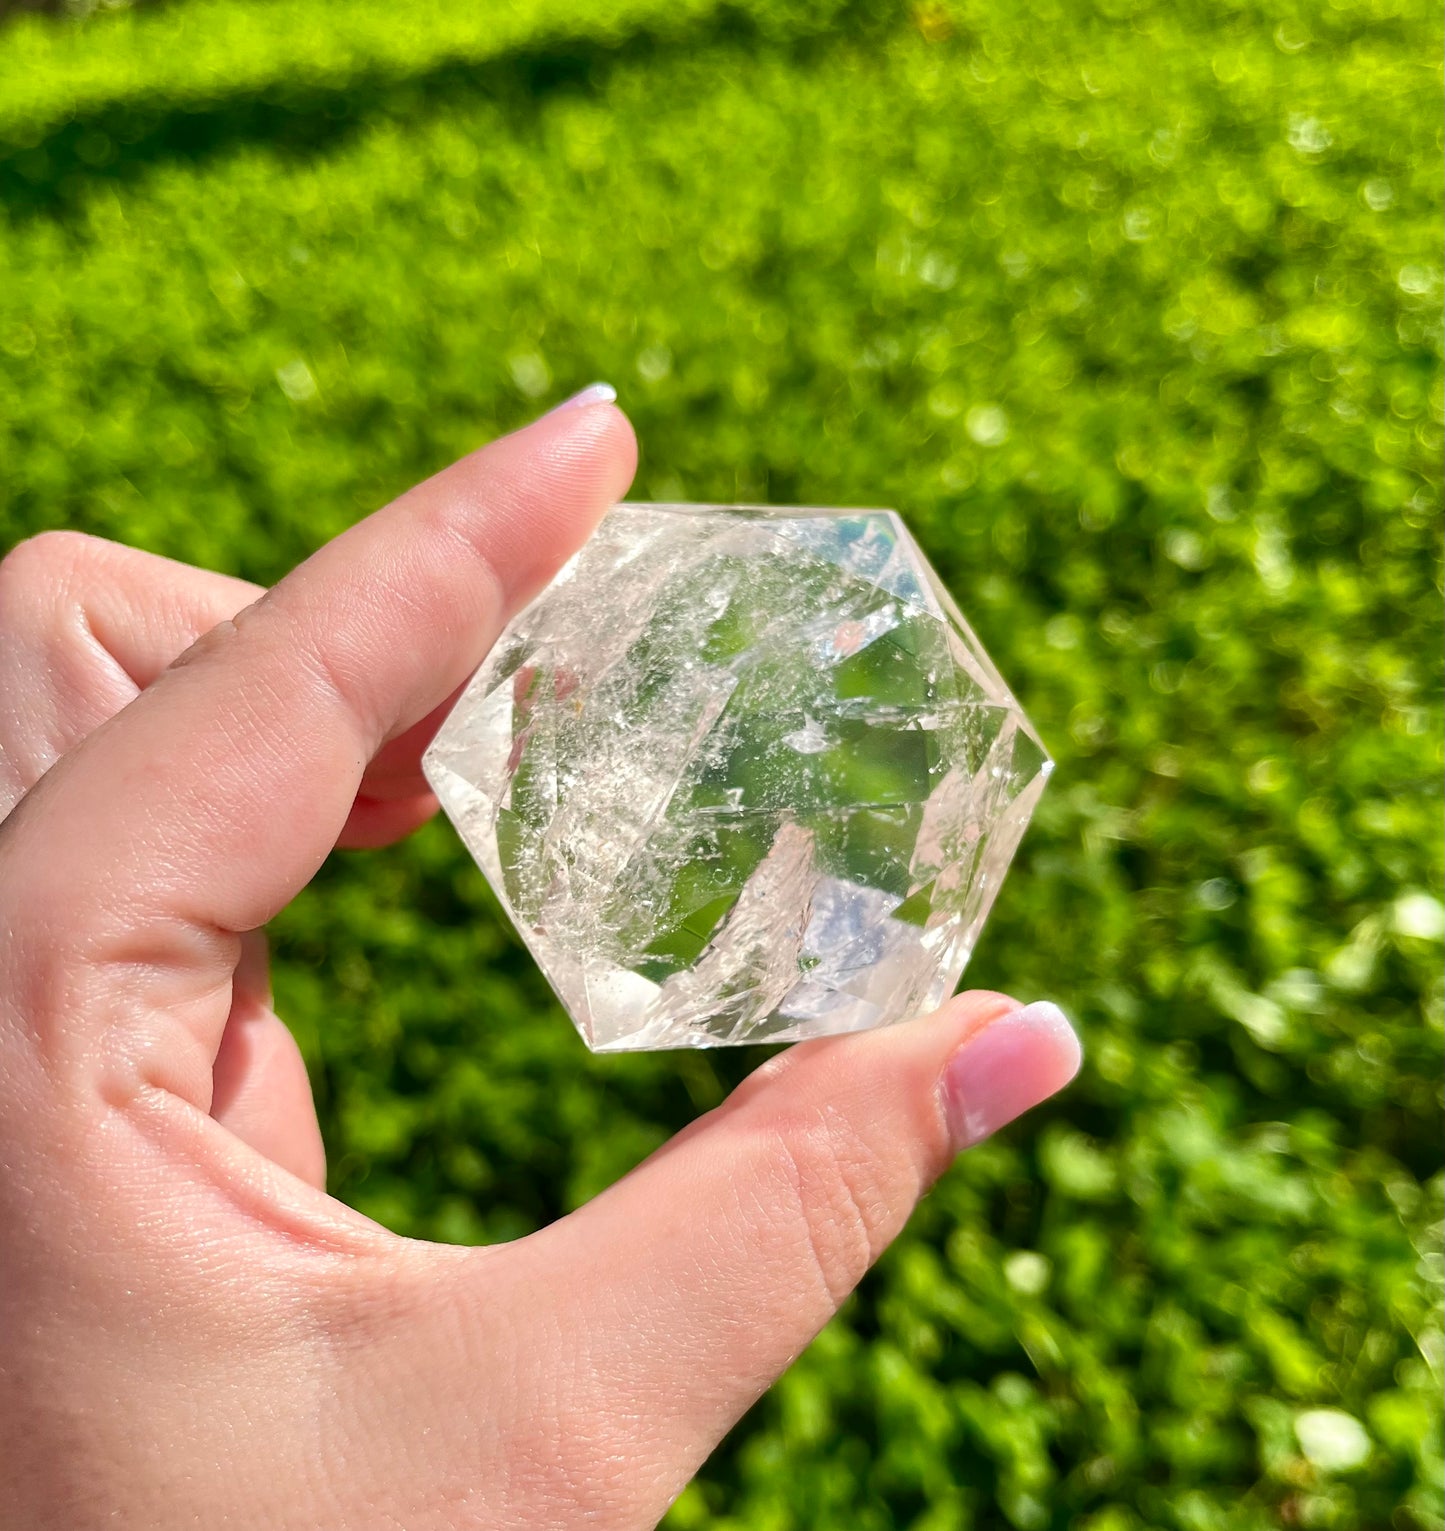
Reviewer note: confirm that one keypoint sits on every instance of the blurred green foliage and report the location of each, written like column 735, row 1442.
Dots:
column 1133, row 308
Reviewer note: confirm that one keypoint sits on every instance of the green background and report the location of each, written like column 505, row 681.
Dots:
column 1133, row 308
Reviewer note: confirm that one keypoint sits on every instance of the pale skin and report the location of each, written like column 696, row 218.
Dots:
column 192, row 1333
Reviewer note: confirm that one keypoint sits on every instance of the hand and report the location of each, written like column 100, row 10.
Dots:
column 191, row 1331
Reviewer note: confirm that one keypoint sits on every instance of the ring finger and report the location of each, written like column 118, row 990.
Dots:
column 85, row 626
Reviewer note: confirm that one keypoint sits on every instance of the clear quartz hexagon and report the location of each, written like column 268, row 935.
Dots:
column 741, row 774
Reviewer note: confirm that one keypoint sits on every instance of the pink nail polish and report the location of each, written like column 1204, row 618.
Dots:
column 593, row 393
column 1013, row 1063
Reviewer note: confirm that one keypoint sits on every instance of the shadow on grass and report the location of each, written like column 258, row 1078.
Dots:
column 123, row 143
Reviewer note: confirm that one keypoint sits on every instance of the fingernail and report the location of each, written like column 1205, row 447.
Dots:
column 1010, row 1065
column 593, row 393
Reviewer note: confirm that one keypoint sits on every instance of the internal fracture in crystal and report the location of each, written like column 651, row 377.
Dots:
column 741, row 775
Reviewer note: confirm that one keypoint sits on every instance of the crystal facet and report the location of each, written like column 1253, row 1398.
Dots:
column 741, row 774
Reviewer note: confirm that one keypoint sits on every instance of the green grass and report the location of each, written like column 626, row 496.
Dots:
column 1133, row 309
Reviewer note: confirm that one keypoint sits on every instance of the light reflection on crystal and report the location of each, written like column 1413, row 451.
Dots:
column 741, row 775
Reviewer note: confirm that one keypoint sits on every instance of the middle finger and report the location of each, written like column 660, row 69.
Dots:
column 85, row 626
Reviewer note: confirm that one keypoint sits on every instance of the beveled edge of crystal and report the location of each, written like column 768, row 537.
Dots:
column 550, row 959
column 763, row 512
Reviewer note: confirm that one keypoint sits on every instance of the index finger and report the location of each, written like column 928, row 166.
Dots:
column 209, row 801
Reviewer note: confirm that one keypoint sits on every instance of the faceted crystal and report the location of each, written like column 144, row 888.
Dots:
column 741, row 775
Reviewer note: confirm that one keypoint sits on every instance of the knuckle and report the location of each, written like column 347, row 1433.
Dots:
column 322, row 659
column 41, row 567
column 844, row 1194
column 462, row 526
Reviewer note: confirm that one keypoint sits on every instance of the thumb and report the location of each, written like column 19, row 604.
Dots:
column 701, row 1276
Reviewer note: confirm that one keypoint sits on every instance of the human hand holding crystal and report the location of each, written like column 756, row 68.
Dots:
column 191, row 1331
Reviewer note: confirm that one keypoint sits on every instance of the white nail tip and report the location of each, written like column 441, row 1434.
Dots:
column 1044, row 1015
